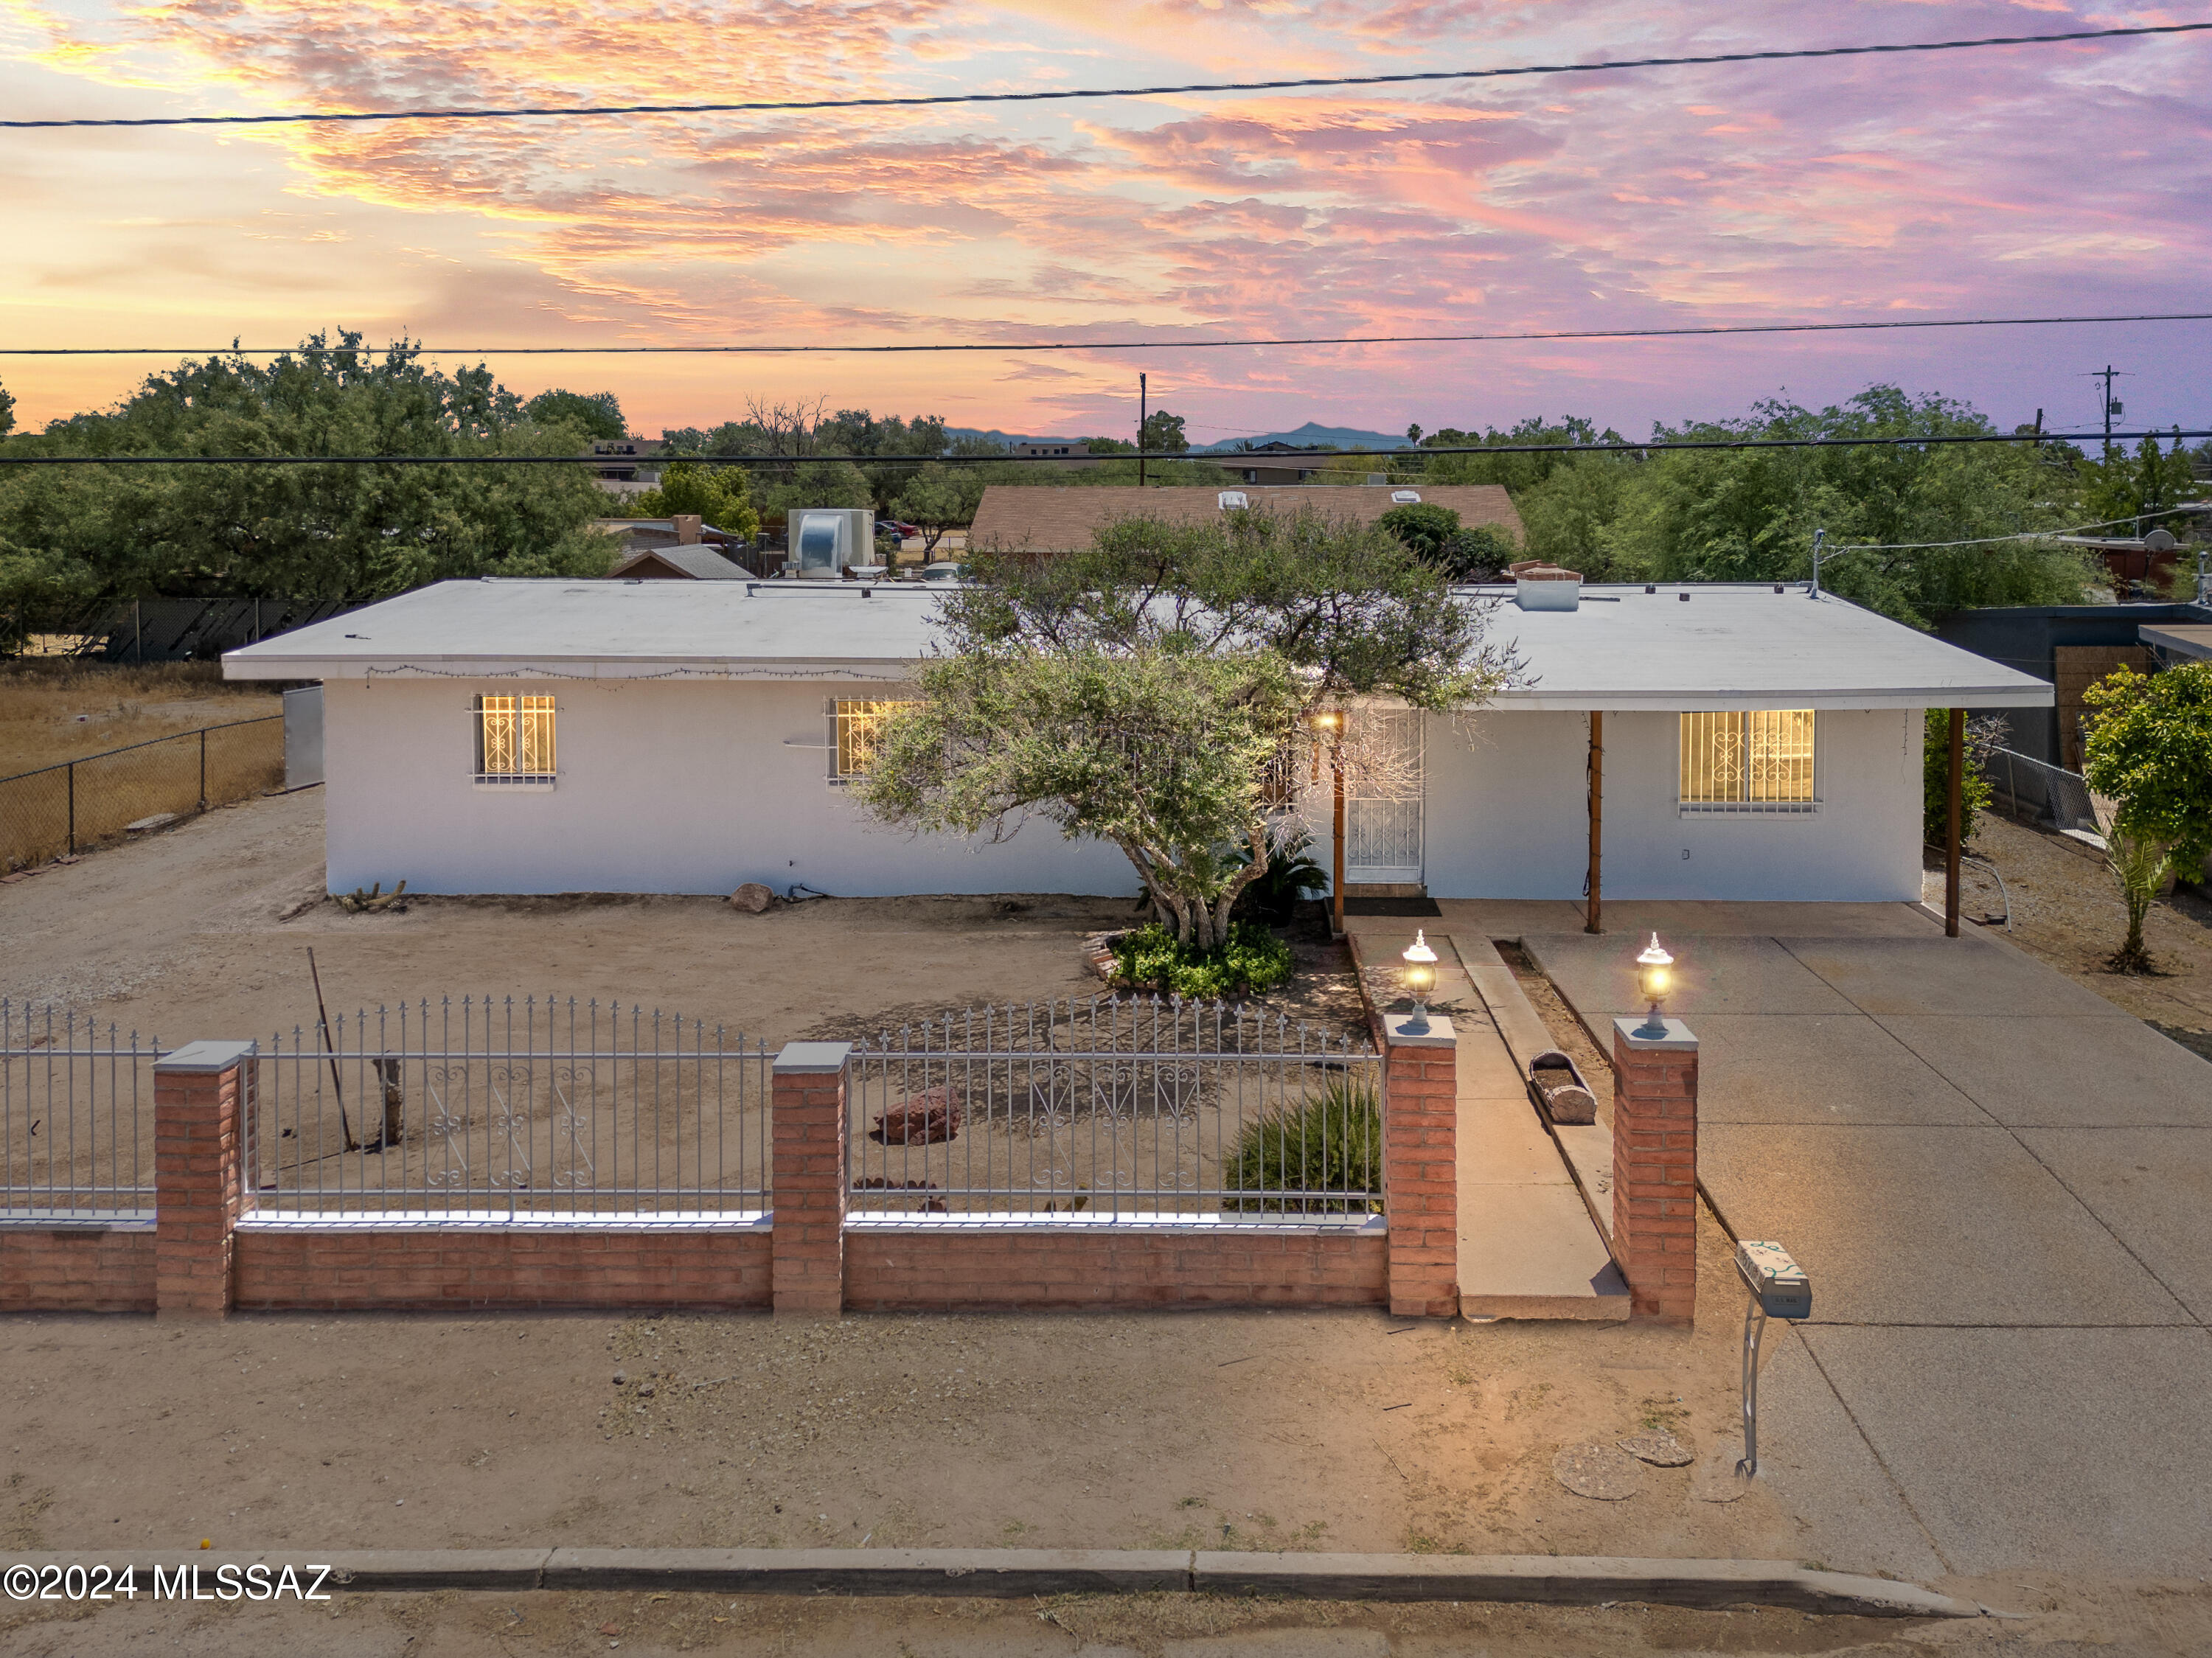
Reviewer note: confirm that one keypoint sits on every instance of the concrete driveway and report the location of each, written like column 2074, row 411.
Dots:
column 2001, row 1185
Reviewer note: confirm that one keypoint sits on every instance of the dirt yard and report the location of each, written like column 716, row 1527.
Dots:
column 2066, row 911
column 56, row 710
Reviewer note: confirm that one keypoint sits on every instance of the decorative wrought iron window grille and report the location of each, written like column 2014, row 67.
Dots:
column 1759, row 761
column 514, row 740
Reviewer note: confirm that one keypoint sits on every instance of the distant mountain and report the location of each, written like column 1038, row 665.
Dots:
column 1313, row 435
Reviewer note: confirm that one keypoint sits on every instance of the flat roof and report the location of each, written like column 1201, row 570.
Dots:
column 1721, row 647
column 1055, row 517
column 2183, row 641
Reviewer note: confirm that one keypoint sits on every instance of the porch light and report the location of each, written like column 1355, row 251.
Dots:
column 1420, row 979
column 1654, row 978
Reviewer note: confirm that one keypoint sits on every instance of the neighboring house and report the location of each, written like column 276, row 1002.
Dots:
column 1068, row 452
column 2072, row 646
column 555, row 736
column 699, row 562
column 618, row 458
column 1274, row 463
column 1046, row 519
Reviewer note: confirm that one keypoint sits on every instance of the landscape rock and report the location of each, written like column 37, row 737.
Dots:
column 1661, row 1450
column 752, row 897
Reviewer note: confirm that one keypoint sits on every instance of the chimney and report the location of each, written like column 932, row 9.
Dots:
column 687, row 528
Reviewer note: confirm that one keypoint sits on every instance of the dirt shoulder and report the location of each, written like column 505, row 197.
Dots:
column 2066, row 911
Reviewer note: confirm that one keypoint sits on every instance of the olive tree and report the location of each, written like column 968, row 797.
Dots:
column 1156, row 689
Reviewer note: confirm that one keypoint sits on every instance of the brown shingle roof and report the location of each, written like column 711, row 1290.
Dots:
column 1046, row 519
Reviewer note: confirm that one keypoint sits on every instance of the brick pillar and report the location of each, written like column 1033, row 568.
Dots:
column 201, row 1094
column 808, row 1237
column 1421, row 1166
column 1655, row 1169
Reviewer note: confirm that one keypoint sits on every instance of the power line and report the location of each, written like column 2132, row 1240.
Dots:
column 1229, row 457
column 1131, row 345
column 1994, row 541
column 763, row 107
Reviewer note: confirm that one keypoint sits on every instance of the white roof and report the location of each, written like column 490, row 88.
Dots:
column 1725, row 646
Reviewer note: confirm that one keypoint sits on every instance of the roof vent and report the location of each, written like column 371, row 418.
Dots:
column 1540, row 587
column 1406, row 497
column 1232, row 500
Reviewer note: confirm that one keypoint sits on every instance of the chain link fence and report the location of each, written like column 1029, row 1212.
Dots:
column 58, row 811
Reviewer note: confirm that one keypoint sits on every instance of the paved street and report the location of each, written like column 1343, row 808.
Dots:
column 1999, row 1183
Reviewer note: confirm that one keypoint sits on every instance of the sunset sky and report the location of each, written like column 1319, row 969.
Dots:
column 2048, row 179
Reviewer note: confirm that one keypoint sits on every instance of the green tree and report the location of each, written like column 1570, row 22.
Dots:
column 816, row 483
column 1423, row 526
column 7, row 411
column 2148, row 749
column 938, row 499
column 1139, row 692
column 1980, row 740
column 598, row 414
column 719, row 495
column 1162, row 434
column 2142, row 485
column 309, row 531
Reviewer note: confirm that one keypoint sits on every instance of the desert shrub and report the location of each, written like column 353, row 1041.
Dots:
column 1252, row 960
column 1330, row 1142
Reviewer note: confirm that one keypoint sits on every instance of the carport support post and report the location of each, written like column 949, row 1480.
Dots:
column 202, row 1092
column 1596, row 881
column 1421, row 1166
column 1655, row 1169
column 1951, row 833
column 807, row 1235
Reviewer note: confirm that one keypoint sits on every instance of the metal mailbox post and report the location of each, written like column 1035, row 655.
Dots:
column 1779, row 1289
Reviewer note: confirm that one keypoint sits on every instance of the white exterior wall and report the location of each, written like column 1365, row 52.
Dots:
column 1507, row 813
column 684, row 788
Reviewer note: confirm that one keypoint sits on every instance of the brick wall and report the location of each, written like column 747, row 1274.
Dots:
column 1420, row 1167
column 78, row 1269
column 291, row 1268
column 1655, row 1169
column 990, row 1269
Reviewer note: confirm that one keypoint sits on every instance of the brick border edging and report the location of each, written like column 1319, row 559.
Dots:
column 1547, row 1579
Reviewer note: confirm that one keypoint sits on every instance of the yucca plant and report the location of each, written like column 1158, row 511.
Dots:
column 1331, row 1141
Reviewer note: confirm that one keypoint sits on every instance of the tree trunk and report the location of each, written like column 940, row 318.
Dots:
column 1257, row 838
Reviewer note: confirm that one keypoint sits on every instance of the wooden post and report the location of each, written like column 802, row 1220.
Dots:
column 1596, row 820
column 1144, row 417
column 1951, row 834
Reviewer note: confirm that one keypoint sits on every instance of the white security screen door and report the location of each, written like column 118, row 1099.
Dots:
column 1382, row 819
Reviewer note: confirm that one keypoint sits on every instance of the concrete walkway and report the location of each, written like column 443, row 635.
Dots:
column 2001, row 1185
column 1528, row 1246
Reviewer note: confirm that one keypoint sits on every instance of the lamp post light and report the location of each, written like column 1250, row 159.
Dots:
column 1420, row 979
column 1328, row 728
column 1654, row 977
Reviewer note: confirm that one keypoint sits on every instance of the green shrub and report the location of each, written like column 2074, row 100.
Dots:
column 1332, row 1142
column 1974, row 791
column 1254, row 960
column 1291, row 875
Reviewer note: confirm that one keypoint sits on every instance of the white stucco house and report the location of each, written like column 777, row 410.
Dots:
column 566, row 736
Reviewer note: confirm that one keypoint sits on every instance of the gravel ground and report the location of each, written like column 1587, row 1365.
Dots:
column 2066, row 911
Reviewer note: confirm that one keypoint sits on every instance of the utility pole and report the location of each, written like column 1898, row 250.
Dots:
column 1144, row 419
column 2113, row 405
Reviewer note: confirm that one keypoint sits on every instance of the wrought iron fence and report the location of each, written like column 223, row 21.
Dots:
column 76, row 1116
column 503, row 1109
column 63, row 809
column 1114, row 1108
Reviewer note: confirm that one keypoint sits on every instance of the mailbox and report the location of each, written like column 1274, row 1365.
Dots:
column 1777, row 1282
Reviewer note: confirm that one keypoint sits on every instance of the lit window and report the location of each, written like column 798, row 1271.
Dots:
column 514, row 740
column 1757, row 760
column 860, row 729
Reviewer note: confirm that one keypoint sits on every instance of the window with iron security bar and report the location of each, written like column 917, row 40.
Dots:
column 514, row 740
column 497, row 1111
column 76, row 1117
column 1115, row 1109
column 1760, row 760
column 860, row 724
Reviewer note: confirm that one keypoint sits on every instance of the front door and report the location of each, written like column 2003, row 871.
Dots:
column 1382, row 814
